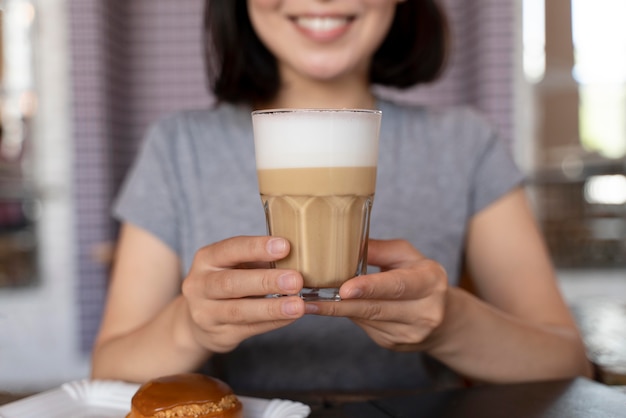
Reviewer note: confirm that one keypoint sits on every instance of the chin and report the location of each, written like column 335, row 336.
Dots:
column 330, row 68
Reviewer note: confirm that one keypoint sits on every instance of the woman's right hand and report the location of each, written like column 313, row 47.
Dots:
column 227, row 287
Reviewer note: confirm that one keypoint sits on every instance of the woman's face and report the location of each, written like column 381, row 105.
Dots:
column 322, row 40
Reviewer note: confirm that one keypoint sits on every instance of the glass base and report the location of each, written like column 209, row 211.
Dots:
column 315, row 294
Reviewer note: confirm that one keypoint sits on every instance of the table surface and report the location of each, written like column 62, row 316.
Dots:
column 578, row 398
column 602, row 323
column 573, row 398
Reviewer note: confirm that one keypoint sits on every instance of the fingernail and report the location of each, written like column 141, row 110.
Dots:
column 354, row 293
column 310, row 308
column 287, row 282
column 276, row 246
column 291, row 308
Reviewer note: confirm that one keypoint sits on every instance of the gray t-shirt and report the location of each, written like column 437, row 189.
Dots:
column 194, row 183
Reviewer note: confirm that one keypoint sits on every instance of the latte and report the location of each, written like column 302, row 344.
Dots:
column 317, row 178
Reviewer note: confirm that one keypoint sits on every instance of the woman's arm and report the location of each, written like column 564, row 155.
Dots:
column 151, row 329
column 521, row 329
column 145, row 328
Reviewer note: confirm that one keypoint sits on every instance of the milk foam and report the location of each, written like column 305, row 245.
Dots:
column 314, row 138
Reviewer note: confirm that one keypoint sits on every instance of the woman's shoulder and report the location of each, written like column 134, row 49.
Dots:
column 416, row 113
column 188, row 129
column 457, row 124
column 212, row 118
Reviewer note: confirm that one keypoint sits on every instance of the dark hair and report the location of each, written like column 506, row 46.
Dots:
column 241, row 69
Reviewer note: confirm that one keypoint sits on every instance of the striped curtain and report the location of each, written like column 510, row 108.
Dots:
column 135, row 61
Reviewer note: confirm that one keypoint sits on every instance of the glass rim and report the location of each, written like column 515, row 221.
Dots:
column 315, row 110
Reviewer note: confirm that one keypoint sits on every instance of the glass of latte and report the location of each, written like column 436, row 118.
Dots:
column 317, row 176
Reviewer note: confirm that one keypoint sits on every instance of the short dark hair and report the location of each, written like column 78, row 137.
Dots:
column 241, row 69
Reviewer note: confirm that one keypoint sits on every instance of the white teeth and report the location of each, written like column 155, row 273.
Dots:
column 320, row 24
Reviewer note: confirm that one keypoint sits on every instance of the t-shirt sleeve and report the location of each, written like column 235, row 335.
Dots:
column 495, row 172
column 148, row 195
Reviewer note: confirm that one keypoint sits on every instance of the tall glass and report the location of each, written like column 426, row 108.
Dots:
column 317, row 176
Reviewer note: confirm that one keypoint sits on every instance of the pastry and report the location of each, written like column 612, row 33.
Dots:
column 188, row 395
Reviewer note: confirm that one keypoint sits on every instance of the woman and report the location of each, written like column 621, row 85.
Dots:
column 447, row 188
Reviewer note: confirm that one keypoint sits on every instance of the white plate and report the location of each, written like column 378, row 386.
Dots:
column 111, row 399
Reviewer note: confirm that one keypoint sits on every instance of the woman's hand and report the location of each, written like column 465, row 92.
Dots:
column 226, row 291
column 400, row 307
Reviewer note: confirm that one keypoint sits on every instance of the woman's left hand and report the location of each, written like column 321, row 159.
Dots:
column 401, row 306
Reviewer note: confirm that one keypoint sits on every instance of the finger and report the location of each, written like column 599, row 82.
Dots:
column 251, row 311
column 423, row 278
column 391, row 253
column 238, row 283
column 240, row 250
column 396, row 336
column 370, row 310
column 227, row 337
column 225, row 324
column 254, row 265
column 381, row 315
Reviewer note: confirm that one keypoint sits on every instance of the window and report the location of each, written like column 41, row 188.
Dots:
column 578, row 79
column 599, row 35
column 533, row 19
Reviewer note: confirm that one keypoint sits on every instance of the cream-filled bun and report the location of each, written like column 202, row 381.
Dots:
column 183, row 396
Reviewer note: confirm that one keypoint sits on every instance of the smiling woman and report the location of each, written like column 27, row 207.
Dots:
column 135, row 62
column 324, row 41
column 449, row 196
column 412, row 40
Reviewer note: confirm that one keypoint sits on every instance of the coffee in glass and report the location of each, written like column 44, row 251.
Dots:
column 317, row 177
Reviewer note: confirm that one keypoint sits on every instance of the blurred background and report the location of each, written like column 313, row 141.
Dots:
column 82, row 79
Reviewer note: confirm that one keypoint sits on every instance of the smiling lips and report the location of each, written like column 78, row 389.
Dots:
column 322, row 28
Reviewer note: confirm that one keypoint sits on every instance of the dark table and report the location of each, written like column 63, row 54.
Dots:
column 575, row 398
